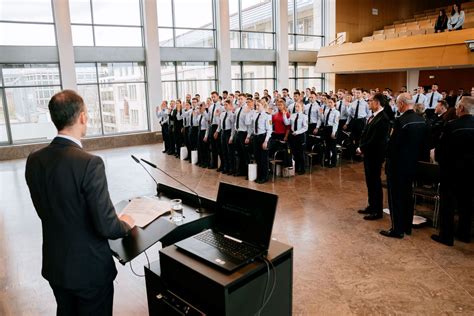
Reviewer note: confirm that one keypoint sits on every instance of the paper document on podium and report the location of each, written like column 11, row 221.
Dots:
column 145, row 210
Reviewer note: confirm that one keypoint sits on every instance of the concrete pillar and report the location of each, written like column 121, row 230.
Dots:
column 282, row 56
column 223, row 45
column 330, row 35
column 413, row 77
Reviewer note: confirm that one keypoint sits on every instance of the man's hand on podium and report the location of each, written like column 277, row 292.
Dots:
column 127, row 219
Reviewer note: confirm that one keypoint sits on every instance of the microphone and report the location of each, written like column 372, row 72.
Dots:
column 138, row 162
column 184, row 185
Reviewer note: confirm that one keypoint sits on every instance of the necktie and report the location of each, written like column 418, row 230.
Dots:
column 223, row 123
column 417, row 98
column 431, row 100
column 212, row 115
column 256, row 123
column 309, row 113
column 327, row 117
column 238, row 118
column 294, row 108
column 185, row 122
column 200, row 120
column 340, row 106
column 295, row 125
column 356, row 115
column 371, row 118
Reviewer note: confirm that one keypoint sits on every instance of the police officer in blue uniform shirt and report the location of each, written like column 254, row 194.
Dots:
column 261, row 130
column 298, row 123
column 226, row 131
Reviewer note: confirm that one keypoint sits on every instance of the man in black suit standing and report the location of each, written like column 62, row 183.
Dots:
column 455, row 154
column 69, row 191
column 373, row 143
column 405, row 146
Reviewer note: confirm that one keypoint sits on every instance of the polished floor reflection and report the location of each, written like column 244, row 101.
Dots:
column 342, row 265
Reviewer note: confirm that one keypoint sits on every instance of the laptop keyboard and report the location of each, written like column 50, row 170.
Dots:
column 227, row 246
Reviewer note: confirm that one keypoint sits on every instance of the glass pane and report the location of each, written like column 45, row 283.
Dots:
column 164, row 13
column 234, row 39
column 307, row 70
column 196, row 70
column 236, row 85
column 252, row 86
column 291, row 16
column 86, row 73
column 235, row 70
column 292, row 86
column 257, row 40
column 118, row 36
column 310, row 83
column 309, row 20
column 167, row 71
column 29, row 114
column 90, row 94
column 291, row 70
column 27, row 34
column 124, row 107
column 193, row 13
column 257, row 15
column 121, row 72
column 204, row 88
column 26, row 10
column 169, row 90
column 234, row 14
column 194, row 38
column 166, row 37
column 258, row 71
column 82, row 35
column 31, row 75
column 116, row 12
column 308, row 42
column 291, row 42
column 80, row 11
column 3, row 126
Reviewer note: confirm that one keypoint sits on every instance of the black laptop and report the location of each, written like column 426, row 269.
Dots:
column 243, row 228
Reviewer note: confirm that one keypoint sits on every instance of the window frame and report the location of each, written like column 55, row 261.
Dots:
column 293, row 36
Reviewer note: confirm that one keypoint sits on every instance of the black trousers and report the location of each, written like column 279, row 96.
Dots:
column 430, row 113
column 187, row 142
column 331, row 150
column 373, row 180
column 203, row 149
column 310, row 140
column 261, row 156
column 356, row 128
column 456, row 195
column 339, row 134
column 275, row 145
column 400, row 200
column 242, row 153
column 178, row 134
column 227, row 161
column 166, row 136
column 214, row 143
column 95, row 301
column 172, row 138
column 193, row 137
column 297, row 148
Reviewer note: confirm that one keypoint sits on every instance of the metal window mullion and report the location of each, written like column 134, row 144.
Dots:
column 176, row 77
column 173, row 24
column 28, row 22
column 93, row 41
column 5, row 110
column 100, row 99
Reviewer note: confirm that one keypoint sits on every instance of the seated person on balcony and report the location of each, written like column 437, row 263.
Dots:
column 442, row 22
column 456, row 20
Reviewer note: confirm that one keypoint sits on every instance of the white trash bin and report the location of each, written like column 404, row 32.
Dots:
column 183, row 153
column 252, row 172
column 194, row 157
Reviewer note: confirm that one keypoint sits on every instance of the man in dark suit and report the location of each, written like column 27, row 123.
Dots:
column 373, row 143
column 455, row 154
column 406, row 143
column 69, row 191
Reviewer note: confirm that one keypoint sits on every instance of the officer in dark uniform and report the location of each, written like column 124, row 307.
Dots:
column 406, row 143
column 455, row 155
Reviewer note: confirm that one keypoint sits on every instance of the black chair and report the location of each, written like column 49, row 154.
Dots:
column 317, row 149
column 426, row 185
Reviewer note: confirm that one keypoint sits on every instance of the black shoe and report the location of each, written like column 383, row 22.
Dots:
column 367, row 210
column 437, row 238
column 219, row 169
column 408, row 232
column 164, row 151
column 391, row 233
column 465, row 239
column 246, row 177
column 211, row 167
column 373, row 217
column 301, row 172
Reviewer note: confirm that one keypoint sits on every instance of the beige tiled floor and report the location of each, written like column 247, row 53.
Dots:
column 342, row 265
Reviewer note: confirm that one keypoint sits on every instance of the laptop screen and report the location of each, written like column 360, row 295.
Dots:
column 246, row 214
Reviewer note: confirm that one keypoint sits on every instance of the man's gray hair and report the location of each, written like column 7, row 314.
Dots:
column 468, row 104
column 406, row 98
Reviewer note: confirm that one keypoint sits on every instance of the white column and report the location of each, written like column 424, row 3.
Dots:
column 413, row 76
column 223, row 45
column 64, row 40
column 153, row 63
column 330, row 34
column 282, row 56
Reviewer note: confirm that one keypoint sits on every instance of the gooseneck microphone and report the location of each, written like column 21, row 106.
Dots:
column 138, row 162
column 184, row 185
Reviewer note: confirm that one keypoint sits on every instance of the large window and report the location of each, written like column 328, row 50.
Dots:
column 106, row 22
column 305, row 24
column 252, row 24
column 253, row 77
column 186, row 23
column 27, row 89
column 181, row 78
column 115, row 95
column 304, row 75
column 3, row 121
column 27, row 23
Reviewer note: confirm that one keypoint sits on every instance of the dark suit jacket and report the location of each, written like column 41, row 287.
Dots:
column 69, row 191
column 373, row 142
column 408, row 140
column 455, row 151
